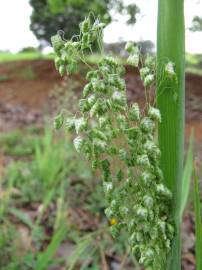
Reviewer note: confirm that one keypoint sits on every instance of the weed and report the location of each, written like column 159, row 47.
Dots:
column 27, row 73
column 12, row 143
column 4, row 78
column 32, row 189
column 198, row 220
column 10, row 57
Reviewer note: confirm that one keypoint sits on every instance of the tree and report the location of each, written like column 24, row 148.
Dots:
column 49, row 16
column 196, row 24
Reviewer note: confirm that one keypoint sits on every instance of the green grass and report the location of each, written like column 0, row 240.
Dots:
column 50, row 176
column 194, row 63
column 12, row 144
column 10, row 57
column 194, row 59
column 198, row 221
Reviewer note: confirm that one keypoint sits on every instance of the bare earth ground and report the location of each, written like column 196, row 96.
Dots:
column 25, row 89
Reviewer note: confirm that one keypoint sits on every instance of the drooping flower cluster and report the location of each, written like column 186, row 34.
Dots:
column 68, row 53
column 119, row 141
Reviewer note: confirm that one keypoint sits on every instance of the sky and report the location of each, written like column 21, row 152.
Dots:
column 15, row 20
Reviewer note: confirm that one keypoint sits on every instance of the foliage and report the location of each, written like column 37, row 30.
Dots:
column 119, row 140
column 44, row 258
column 10, row 57
column 26, row 181
column 196, row 24
column 29, row 50
column 44, row 22
column 187, row 174
column 7, row 249
column 11, row 143
column 132, row 11
column 194, row 63
column 54, row 218
column 44, row 172
column 49, row 16
column 198, row 220
column 49, row 158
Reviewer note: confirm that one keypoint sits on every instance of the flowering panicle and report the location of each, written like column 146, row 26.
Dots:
column 68, row 53
column 119, row 141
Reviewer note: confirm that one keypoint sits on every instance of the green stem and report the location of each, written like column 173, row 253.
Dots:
column 171, row 46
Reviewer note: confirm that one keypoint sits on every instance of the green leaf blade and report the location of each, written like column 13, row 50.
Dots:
column 171, row 47
column 187, row 174
column 198, row 222
column 44, row 258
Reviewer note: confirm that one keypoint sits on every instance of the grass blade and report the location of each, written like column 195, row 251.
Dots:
column 45, row 257
column 47, row 199
column 171, row 47
column 187, row 174
column 198, row 222
column 81, row 248
column 22, row 216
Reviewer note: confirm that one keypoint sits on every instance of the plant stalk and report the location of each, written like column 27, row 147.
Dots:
column 171, row 47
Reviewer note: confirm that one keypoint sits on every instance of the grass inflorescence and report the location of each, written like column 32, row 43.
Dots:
column 119, row 140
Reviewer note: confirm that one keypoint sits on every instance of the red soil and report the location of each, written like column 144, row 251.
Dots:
column 21, row 89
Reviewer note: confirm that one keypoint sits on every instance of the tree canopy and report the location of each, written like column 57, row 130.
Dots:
column 196, row 24
column 49, row 16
